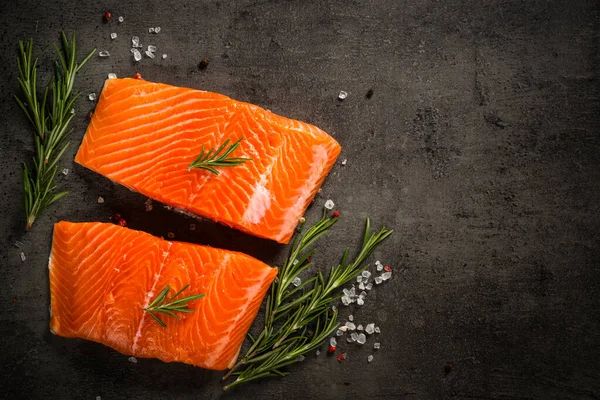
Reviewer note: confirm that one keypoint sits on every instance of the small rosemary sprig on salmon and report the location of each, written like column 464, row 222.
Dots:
column 208, row 160
column 50, row 117
column 169, row 306
column 291, row 311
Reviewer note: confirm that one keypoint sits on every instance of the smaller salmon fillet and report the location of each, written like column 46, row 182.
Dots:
column 103, row 275
column 144, row 135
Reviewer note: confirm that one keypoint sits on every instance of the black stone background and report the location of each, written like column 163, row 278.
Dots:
column 480, row 146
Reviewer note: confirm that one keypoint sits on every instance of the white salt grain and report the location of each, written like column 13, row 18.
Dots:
column 112, row 76
column 366, row 274
column 151, row 30
column 65, row 172
column 332, row 342
column 132, row 359
column 360, row 301
column 92, row 96
column 359, row 328
column 350, row 317
column 329, row 204
column 378, row 280
column 113, row 35
column 342, row 95
column 344, row 161
column 361, row 286
column 361, row 339
column 157, row 29
column 359, row 278
column 377, row 330
column 104, row 54
column 164, row 56
column 370, row 358
column 137, row 56
column 386, row 275
column 150, row 54
column 152, row 48
column 121, row 19
column 22, row 256
column 376, row 346
column 100, row 200
column 370, row 329
column 369, row 286
column 350, row 326
column 297, row 281
column 318, row 352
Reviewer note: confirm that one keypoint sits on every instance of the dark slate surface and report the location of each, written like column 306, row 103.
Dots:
column 480, row 146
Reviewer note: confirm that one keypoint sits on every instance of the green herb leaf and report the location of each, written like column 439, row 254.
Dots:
column 218, row 158
column 162, row 305
column 291, row 311
column 49, row 118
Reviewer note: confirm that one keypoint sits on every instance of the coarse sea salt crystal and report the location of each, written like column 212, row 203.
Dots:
column 376, row 346
column 350, row 317
column 378, row 280
column 152, row 48
column 22, row 256
column 359, row 278
column 369, row 286
column 121, row 19
column 112, row 75
column 361, row 286
column 164, row 56
column 350, row 326
column 100, row 200
column 386, row 275
column 157, row 29
column 361, row 339
column 360, row 301
column 366, row 274
column 359, row 328
column 377, row 329
column 342, row 95
column 329, row 204
column 150, row 54
column 354, row 336
column 370, row 329
column 137, row 56
column 104, row 54
column 339, row 333
column 379, row 267
column 346, row 300
column 65, row 172
column 132, row 359
column 362, row 294
column 333, row 308
column 113, row 35
column 332, row 342
column 318, row 352
column 135, row 41
column 92, row 96
column 150, row 30
column 370, row 358
column 344, row 161
column 297, row 281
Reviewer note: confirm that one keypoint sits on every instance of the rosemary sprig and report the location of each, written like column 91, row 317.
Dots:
column 218, row 158
column 161, row 304
column 290, row 311
column 50, row 118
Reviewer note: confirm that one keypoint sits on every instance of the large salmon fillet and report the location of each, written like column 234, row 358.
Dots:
column 102, row 275
column 144, row 135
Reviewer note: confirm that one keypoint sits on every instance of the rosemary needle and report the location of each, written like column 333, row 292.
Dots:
column 290, row 310
column 50, row 115
column 161, row 304
column 208, row 160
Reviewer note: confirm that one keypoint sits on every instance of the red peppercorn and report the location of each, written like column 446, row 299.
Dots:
column 335, row 214
column 106, row 16
column 137, row 76
column 342, row 357
column 122, row 222
column 331, row 349
column 117, row 217
column 387, row 269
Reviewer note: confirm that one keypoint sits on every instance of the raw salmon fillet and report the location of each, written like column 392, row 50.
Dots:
column 144, row 135
column 102, row 275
